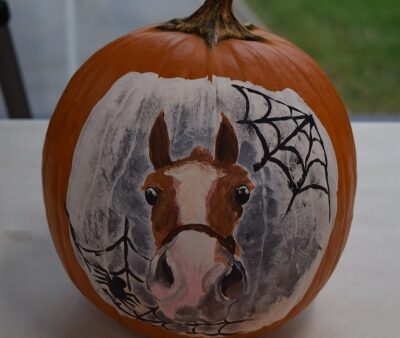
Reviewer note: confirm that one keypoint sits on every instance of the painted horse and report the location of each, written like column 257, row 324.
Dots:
column 196, row 204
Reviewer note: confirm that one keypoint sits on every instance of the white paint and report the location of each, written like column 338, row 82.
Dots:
column 196, row 104
column 193, row 182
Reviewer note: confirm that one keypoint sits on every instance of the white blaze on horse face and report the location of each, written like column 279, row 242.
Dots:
column 193, row 182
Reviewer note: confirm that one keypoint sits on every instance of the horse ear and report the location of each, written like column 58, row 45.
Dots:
column 159, row 143
column 226, row 145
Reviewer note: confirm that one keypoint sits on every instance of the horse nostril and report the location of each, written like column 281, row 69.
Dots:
column 164, row 272
column 233, row 283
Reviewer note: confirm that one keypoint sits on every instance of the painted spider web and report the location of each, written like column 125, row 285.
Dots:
column 302, row 128
column 120, row 286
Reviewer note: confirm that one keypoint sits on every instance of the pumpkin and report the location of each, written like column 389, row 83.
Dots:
column 199, row 178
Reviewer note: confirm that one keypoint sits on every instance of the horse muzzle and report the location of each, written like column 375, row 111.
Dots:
column 195, row 266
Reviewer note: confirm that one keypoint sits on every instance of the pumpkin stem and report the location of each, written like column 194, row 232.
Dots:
column 214, row 22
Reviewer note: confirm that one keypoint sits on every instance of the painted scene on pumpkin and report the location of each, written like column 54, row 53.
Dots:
column 201, row 206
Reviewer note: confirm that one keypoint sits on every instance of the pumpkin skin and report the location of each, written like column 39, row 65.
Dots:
column 274, row 64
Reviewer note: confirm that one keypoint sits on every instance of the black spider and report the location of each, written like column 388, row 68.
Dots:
column 116, row 287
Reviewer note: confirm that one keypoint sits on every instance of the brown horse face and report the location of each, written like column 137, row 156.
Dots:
column 196, row 204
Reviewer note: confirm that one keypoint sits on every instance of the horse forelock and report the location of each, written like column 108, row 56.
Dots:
column 201, row 154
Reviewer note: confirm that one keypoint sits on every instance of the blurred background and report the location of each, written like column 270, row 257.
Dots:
column 357, row 42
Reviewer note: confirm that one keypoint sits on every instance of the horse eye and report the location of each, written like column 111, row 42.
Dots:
column 242, row 194
column 151, row 195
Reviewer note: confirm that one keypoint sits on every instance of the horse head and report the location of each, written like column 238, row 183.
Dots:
column 196, row 204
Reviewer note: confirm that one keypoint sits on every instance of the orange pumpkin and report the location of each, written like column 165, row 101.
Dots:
column 213, row 47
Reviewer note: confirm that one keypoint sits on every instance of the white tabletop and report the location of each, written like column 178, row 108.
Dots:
column 37, row 300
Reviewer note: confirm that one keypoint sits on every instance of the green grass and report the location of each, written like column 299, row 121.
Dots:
column 357, row 42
